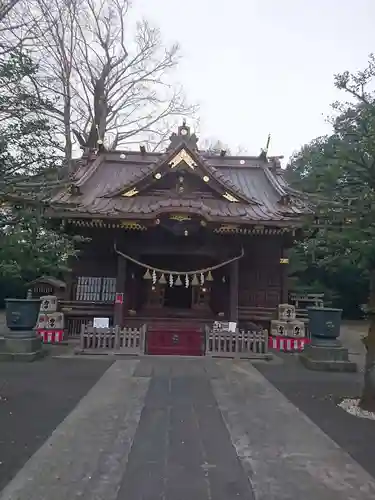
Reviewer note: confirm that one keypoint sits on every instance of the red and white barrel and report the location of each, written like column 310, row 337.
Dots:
column 51, row 336
column 287, row 344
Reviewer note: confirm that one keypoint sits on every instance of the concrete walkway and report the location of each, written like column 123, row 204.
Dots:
column 176, row 429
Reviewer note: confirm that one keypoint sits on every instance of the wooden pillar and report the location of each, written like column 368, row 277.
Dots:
column 284, row 274
column 120, row 288
column 69, row 278
column 233, row 291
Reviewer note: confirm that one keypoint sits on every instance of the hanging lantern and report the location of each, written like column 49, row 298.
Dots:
column 209, row 276
column 162, row 280
column 202, row 279
column 154, row 276
column 147, row 275
column 178, row 281
column 171, row 280
column 187, row 281
column 195, row 281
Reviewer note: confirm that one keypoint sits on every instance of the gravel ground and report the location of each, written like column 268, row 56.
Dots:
column 35, row 398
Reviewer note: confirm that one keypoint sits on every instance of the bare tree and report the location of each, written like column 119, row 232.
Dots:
column 214, row 146
column 15, row 30
column 58, row 37
column 107, row 81
column 6, row 7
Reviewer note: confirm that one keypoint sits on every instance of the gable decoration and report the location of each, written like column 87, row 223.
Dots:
column 182, row 156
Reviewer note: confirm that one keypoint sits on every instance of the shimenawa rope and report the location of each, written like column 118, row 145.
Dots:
column 178, row 273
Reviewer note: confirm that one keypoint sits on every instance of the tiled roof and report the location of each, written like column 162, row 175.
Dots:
column 141, row 206
column 253, row 182
column 262, row 193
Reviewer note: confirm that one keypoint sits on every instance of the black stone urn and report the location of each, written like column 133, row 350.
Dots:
column 22, row 315
column 324, row 324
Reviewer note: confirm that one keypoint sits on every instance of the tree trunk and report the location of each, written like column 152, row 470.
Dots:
column 68, row 148
column 98, row 126
column 368, row 394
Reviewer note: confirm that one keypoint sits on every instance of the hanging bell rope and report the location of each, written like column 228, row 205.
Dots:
column 177, row 273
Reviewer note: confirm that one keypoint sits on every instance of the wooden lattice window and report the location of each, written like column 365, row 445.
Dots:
column 93, row 289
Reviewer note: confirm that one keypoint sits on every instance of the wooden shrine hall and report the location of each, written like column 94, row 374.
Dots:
column 182, row 236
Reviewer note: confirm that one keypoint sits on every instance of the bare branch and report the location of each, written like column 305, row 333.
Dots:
column 6, row 7
column 102, row 75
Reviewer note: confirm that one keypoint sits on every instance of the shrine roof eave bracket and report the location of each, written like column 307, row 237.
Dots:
column 150, row 220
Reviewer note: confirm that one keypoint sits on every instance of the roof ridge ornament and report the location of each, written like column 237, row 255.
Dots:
column 183, row 136
column 264, row 151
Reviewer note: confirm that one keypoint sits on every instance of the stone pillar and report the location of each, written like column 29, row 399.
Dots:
column 120, row 288
column 233, row 291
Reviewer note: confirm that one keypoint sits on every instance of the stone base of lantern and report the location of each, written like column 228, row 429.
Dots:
column 331, row 358
column 26, row 347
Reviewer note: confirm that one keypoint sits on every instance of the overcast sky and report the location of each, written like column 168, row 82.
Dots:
column 264, row 66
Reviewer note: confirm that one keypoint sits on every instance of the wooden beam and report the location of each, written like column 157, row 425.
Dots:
column 211, row 250
column 233, row 291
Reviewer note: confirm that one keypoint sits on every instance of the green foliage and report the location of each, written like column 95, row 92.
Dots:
column 339, row 172
column 28, row 247
column 26, row 144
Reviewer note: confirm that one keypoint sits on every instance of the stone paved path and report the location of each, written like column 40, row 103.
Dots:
column 176, row 429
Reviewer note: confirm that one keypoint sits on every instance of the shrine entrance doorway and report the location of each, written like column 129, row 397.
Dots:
column 177, row 308
column 178, row 297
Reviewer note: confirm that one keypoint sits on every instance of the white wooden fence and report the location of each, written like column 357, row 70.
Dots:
column 239, row 344
column 116, row 339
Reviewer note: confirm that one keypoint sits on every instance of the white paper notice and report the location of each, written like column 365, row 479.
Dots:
column 232, row 325
column 101, row 322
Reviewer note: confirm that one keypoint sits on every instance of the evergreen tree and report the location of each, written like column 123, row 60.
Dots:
column 28, row 162
column 339, row 170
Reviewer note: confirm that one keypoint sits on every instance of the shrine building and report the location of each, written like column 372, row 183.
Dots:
column 182, row 235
